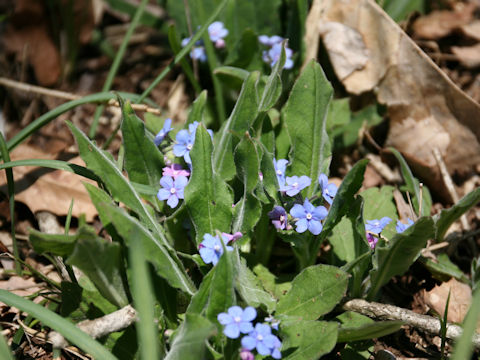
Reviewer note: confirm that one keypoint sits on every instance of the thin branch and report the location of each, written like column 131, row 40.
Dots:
column 116, row 321
column 34, row 89
column 422, row 322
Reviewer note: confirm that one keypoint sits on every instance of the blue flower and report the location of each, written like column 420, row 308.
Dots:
column 198, row 51
column 273, row 321
column 270, row 40
column 376, row 226
column 262, row 339
column 162, row 133
column 184, row 144
column 211, row 249
column 401, row 227
column 295, row 184
column 237, row 321
column 273, row 55
column 308, row 217
column 172, row 189
column 217, row 32
column 329, row 190
column 279, row 218
column 280, row 167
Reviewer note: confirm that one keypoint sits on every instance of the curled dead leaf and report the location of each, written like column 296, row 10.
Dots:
column 427, row 110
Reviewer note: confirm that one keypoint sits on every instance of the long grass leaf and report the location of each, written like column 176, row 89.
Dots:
column 59, row 324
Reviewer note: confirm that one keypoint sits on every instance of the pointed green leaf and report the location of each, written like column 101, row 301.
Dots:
column 400, row 254
column 143, row 160
column 315, row 292
column 248, row 210
column 56, row 322
column 448, row 216
column 273, row 85
column 207, row 196
column 56, row 244
column 243, row 115
column 197, row 108
column 102, row 262
column 356, row 327
column 305, row 115
column 311, row 338
column 443, row 268
column 113, row 178
column 164, row 260
column 249, row 288
column 191, row 338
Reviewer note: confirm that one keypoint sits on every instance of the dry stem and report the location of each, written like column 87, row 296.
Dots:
column 389, row 312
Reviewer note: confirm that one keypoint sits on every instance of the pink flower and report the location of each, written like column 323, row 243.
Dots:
column 372, row 240
column 175, row 170
column 229, row 237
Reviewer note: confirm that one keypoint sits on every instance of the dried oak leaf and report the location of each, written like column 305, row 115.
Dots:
column 469, row 56
column 460, row 299
column 47, row 189
column 426, row 109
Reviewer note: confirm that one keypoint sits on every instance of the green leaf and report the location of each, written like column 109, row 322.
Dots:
column 201, row 297
column 116, row 183
column 311, row 338
column 449, row 216
column 143, row 299
column 143, row 161
column 443, row 269
column 207, row 196
column 273, row 85
column 400, row 254
column 248, row 286
column 191, row 338
column 5, row 349
column 413, row 186
column 268, row 281
column 315, row 292
column 305, row 115
column 348, row 237
column 243, row 52
column 102, row 262
column 222, row 292
column 379, row 202
column 198, row 107
column 356, row 327
column 243, row 115
column 248, row 210
column 73, row 334
column 163, row 258
column 338, row 113
column 56, row 244
column 342, row 201
column 231, row 71
column 357, row 268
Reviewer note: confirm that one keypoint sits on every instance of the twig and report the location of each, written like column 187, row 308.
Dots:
column 116, row 321
column 65, row 95
column 389, row 312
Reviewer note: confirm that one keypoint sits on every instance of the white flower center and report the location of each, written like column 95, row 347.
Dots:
column 279, row 172
column 173, row 190
column 282, row 218
column 295, row 184
column 309, row 216
column 237, row 319
column 217, row 248
column 189, row 147
column 259, row 337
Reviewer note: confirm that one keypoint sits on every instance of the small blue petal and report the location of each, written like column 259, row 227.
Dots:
column 297, row 211
column 315, row 227
column 249, row 342
column 302, row 225
column 232, row 331
column 172, row 201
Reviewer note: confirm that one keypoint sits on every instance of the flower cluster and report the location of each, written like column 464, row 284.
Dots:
column 376, row 226
column 211, row 248
column 272, row 55
column 238, row 321
column 216, row 32
column 306, row 215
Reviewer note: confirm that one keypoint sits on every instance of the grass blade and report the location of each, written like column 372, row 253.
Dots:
column 11, row 201
column 59, row 324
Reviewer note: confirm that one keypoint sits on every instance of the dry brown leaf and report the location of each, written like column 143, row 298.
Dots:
column 460, row 299
column 20, row 286
column 46, row 189
column 469, row 56
column 472, row 29
column 426, row 109
column 438, row 24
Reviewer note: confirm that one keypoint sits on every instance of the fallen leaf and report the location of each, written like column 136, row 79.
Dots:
column 472, row 29
column 426, row 109
column 460, row 299
column 20, row 286
column 46, row 189
column 469, row 56
column 441, row 23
